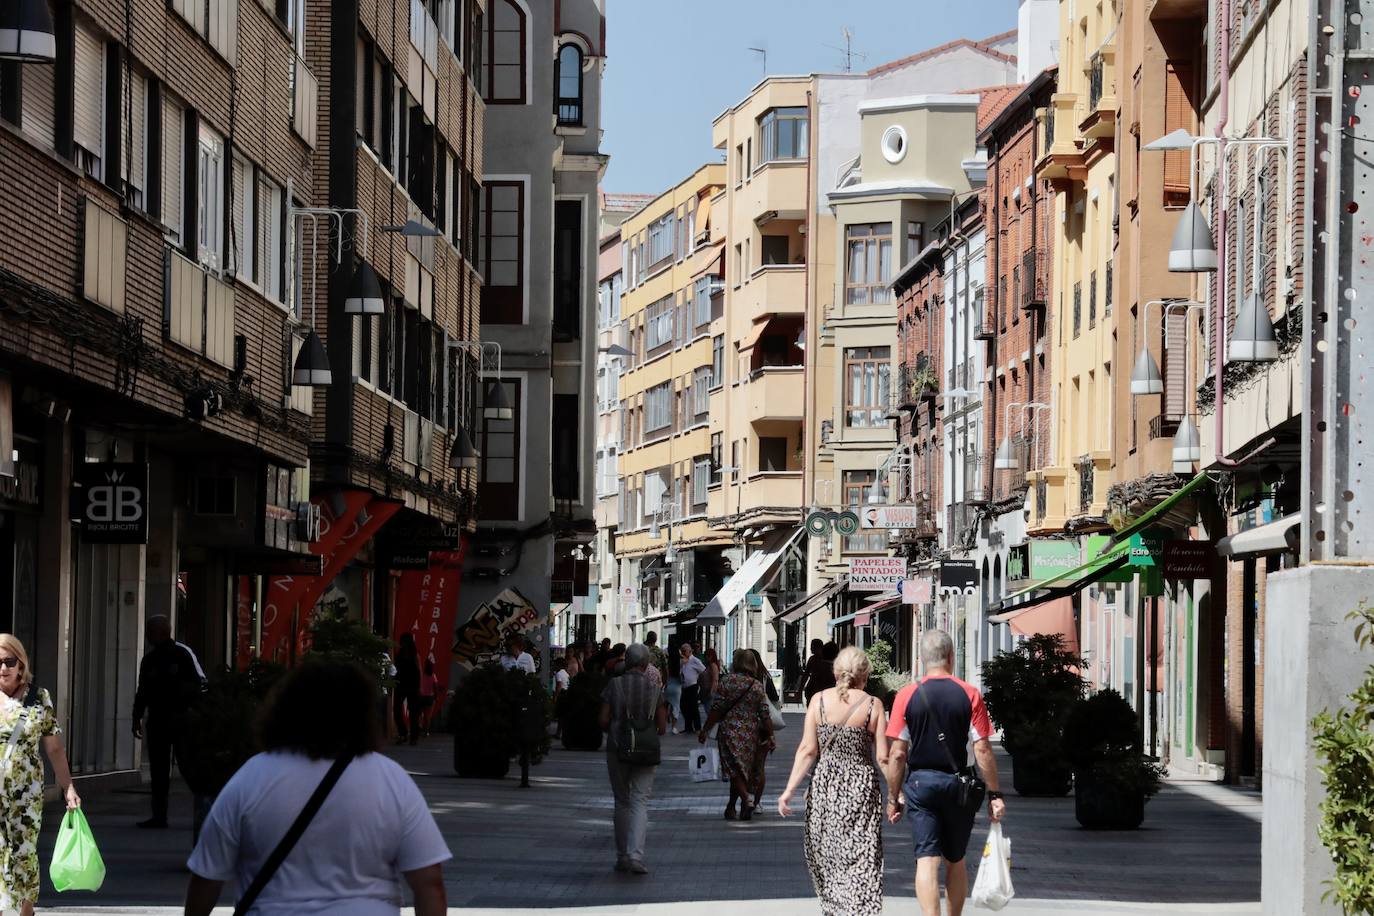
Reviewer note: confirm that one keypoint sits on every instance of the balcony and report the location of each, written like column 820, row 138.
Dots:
column 778, row 289
column 1051, row 501
column 766, row 496
column 1034, row 281
column 1063, row 158
column 776, row 190
column 1163, row 426
column 776, row 393
column 1085, row 484
column 197, row 309
column 1099, row 125
column 983, row 328
column 917, row 384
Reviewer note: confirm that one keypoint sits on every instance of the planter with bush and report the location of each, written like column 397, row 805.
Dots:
column 494, row 715
column 578, row 710
column 883, row 680
column 1112, row 779
column 1028, row 692
column 1344, row 742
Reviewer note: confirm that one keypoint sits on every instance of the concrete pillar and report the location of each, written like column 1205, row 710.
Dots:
column 163, row 560
column 1311, row 665
column 52, row 660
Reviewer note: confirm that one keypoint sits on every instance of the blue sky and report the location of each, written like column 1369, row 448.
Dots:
column 673, row 65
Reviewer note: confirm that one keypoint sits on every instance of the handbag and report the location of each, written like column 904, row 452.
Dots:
column 637, row 739
column 775, row 716
column 715, row 728
column 703, row 764
column 293, row 834
column 972, row 789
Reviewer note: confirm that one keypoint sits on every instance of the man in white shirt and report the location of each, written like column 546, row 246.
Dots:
column 516, row 656
column 692, row 669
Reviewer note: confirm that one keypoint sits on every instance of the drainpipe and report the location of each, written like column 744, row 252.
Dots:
column 1035, row 262
column 997, row 271
column 806, row 288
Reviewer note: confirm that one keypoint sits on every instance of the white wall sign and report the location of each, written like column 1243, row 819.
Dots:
column 876, row 574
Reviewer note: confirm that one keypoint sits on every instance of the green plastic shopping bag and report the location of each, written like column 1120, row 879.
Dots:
column 76, row 863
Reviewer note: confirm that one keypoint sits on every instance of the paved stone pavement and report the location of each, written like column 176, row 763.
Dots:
column 551, row 846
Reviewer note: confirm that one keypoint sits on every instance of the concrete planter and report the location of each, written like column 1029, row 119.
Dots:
column 1101, row 806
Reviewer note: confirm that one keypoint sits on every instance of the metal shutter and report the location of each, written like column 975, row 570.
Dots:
column 173, row 164
column 239, row 238
column 36, row 116
column 89, row 90
column 135, row 132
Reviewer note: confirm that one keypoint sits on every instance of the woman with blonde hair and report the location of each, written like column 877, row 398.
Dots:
column 844, row 818
column 27, row 723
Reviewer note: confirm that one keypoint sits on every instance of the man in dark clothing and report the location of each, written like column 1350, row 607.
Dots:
column 170, row 681
column 932, row 722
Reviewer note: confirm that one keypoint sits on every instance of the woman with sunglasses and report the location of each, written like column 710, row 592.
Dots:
column 27, row 722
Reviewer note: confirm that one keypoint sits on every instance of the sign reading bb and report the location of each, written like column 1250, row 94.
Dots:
column 114, row 502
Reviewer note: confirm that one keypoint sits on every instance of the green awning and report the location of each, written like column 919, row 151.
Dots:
column 1003, row 610
column 1103, row 563
column 1145, row 520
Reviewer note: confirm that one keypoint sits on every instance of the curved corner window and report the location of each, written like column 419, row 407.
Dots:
column 894, row 144
column 568, row 85
column 783, row 134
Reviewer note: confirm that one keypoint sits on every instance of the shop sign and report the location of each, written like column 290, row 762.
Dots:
column 893, row 517
column 561, row 591
column 480, row 639
column 876, row 574
column 22, row 488
column 114, row 502
column 1146, row 549
column 427, row 606
column 1188, row 559
column 916, row 591
column 396, row 558
column 958, row 576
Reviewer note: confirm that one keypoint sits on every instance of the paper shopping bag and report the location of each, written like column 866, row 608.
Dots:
column 76, row 864
column 703, row 764
column 993, row 889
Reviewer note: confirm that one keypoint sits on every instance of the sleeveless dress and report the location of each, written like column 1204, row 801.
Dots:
column 844, row 821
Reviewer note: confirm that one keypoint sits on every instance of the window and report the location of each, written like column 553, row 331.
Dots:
column 717, row 360
column 701, row 392
column 567, row 269
column 505, row 76
column 701, row 300
column 37, row 95
column 739, row 264
column 568, row 104
column 701, row 480
column 270, row 260
column 1178, row 114
column 217, row 22
column 658, row 327
column 1092, row 299
column 243, row 227
column 857, row 487
column 210, row 198
column 1107, row 292
column 565, row 438
column 773, row 249
column 658, row 407
column 1077, row 309
column 502, row 253
column 915, row 238
column 772, row 453
column 783, row 134
column 173, row 202
column 716, row 456
column 867, row 379
column 660, row 241
column 499, row 465
column 868, row 263
column 135, row 129
column 88, row 100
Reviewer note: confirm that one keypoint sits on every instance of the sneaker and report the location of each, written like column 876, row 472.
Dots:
column 152, row 823
column 622, row 864
column 638, row 868
column 676, row 730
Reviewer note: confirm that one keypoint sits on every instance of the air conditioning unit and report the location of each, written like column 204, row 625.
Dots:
column 309, row 522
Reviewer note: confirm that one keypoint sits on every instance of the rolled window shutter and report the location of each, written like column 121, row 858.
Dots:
column 239, row 237
column 89, row 90
column 265, row 233
column 359, row 109
column 36, row 116
column 173, row 153
column 136, row 132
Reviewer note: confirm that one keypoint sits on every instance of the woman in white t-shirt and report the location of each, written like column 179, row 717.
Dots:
column 373, row 829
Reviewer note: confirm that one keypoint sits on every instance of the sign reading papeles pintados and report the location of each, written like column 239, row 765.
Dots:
column 484, row 634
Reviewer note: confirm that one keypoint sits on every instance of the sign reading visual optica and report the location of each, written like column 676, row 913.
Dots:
column 893, row 517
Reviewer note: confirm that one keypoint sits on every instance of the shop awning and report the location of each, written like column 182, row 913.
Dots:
column 1275, row 537
column 1092, row 571
column 746, row 577
column 1169, row 502
column 1050, row 616
column 812, row 602
column 864, row 616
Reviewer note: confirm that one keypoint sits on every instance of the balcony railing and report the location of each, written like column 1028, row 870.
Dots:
column 1095, row 83
column 961, row 517
column 1032, row 282
column 916, row 383
column 1042, row 493
column 1163, row 426
column 1085, row 484
column 1049, row 129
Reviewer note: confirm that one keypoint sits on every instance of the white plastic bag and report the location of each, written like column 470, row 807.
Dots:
column 703, row 763
column 992, row 890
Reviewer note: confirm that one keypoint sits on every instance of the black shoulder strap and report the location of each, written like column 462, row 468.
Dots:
column 288, row 842
column 953, row 766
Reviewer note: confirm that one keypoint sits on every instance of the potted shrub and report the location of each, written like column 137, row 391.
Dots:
column 493, row 715
column 1028, row 692
column 220, row 729
column 1112, row 779
column 578, row 709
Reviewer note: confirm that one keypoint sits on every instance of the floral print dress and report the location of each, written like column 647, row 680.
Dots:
column 21, row 795
column 745, row 707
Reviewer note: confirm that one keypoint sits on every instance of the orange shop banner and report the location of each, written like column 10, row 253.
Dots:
column 427, row 607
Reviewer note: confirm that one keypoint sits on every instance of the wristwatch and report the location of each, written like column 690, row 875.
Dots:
column 994, row 795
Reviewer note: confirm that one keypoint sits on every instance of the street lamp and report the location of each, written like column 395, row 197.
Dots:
column 1005, row 458
column 1252, row 339
column 414, row 229
column 615, row 350
column 462, row 454
column 26, row 32
column 495, row 404
column 1146, row 377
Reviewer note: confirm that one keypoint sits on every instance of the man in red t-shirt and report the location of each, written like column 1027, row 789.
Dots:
column 931, row 724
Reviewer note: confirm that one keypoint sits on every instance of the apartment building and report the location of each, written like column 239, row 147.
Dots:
column 530, row 557
column 671, row 559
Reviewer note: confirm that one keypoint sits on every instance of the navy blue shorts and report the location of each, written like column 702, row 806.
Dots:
column 939, row 827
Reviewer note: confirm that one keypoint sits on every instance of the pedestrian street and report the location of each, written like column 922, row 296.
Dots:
column 551, row 846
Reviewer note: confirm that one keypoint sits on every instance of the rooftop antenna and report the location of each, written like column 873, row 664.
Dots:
column 763, row 52
column 848, row 50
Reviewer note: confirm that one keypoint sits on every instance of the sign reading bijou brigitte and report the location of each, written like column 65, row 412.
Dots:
column 114, row 502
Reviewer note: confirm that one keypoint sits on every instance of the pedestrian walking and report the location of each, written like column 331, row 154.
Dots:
column 320, row 821
column 574, row 657
column 615, row 661
column 659, row 658
column 632, row 707
column 761, row 761
column 672, row 698
column 405, row 702
column 691, row 669
column 515, row 655
column 431, row 691
column 928, row 774
column 170, row 683
column 741, row 710
column 27, row 725
column 710, row 680
column 816, row 676
column 844, row 814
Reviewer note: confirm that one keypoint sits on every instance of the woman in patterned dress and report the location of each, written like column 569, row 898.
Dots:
column 844, row 814
column 741, row 708
column 27, row 722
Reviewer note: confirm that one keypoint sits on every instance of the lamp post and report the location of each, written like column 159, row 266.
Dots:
column 496, row 406
column 1005, row 459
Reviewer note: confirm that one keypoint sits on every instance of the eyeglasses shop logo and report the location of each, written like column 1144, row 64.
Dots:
column 115, row 508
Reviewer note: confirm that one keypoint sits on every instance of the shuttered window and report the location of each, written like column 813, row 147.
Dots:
column 173, row 165
column 210, row 198
column 88, row 105
column 1178, row 113
column 270, row 253
column 135, row 128
column 36, row 115
column 244, row 244
column 1175, row 367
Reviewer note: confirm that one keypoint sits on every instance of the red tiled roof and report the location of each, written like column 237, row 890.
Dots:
column 981, row 46
column 992, row 100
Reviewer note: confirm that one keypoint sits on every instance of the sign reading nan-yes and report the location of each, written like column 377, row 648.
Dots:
column 876, row 574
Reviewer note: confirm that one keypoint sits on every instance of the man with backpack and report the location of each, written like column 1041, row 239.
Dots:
column 633, row 717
